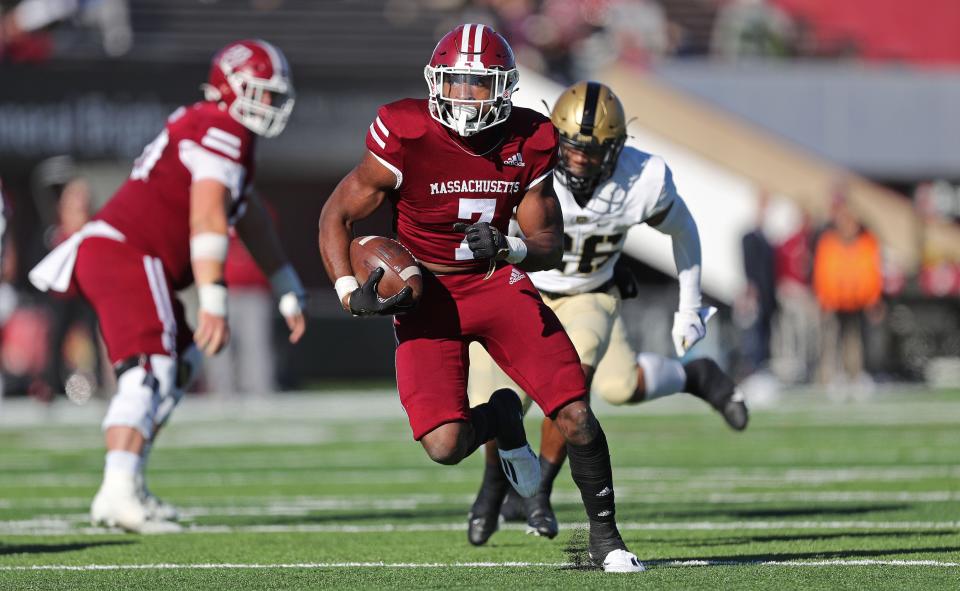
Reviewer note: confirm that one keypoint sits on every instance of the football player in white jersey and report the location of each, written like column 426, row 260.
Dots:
column 604, row 188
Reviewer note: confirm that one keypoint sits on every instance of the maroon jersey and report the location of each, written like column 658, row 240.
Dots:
column 440, row 182
column 152, row 209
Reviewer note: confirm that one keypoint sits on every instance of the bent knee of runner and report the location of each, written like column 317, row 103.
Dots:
column 447, row 444
column 576, row 422
column 619, row 388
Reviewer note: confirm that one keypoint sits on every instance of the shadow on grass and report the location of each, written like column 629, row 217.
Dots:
column 736, row 540
column 578, row 555
column 396, row 517
column 8, row 549
column 714, row 511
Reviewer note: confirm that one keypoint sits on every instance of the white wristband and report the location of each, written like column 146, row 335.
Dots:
column 345, row 286
column 290, row 305
column 518, row 250
column 213, row 298
column 209, row 246
column 285, row 280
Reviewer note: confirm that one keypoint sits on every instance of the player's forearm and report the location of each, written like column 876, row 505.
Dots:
column 257, row 234
column 335, row 233
column 544, row 251
column 208, row 243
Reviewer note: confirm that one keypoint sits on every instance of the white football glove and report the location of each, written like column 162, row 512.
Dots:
column 689, row 326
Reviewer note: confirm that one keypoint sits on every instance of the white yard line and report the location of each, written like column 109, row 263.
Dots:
column 436, row 565
column 53, row 525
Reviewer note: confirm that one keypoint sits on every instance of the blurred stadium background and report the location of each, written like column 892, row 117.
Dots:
column 780, row 118
column 785, row 103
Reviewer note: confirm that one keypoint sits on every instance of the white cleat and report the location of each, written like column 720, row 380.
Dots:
column 522, row 468
column 117, row 503
column 622, row 561
column 157, row 509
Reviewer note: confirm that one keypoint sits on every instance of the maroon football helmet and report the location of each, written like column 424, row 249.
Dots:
column 251, row 79
column 471, row 76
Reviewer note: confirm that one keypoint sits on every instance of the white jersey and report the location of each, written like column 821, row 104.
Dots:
column 640, row 187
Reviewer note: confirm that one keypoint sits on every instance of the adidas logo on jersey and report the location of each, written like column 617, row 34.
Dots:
column 516, row 275
column 515, row 160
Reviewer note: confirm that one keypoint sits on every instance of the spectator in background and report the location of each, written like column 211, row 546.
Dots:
column 8, row 297
column 21, row 28
column 795, row 339
column 939, row 276
column 751, row 29
column 848, row 282
column 756, row 307
column 74, row 352
column 247, row 364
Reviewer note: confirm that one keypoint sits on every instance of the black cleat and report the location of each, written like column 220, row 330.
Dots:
column 484, row 518
column 707, row 381
column 481, row 526
column 512, row 510
column 541, row 521
column 604, row 539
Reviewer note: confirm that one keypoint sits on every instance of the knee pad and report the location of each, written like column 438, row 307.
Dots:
column 135, row 403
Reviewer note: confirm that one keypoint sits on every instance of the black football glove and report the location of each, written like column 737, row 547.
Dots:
column 625, row 280
column 486, row 241
column 364, row 301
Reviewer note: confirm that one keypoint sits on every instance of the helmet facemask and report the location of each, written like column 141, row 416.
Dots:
column 601, row 159
column 470, row 99
column 262, row 106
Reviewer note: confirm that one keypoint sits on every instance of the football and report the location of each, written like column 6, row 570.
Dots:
column 399, row 266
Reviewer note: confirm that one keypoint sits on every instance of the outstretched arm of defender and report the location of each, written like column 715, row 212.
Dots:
column 357, row 196
column 208, row 251
column 541, row 222
column 690, row 320
column 257, row 233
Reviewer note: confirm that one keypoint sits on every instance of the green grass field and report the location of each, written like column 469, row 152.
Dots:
column 311, row 491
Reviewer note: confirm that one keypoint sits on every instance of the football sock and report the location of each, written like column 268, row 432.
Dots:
column 510, row 433
column 493, row 489
column 706, row 380
column 122, row 461
column 548, row 473
column 144, row 456
column 662, row 376
column 483, row 419
column 590, row 467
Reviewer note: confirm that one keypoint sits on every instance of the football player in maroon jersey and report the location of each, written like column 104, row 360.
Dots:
column 454, row 166
column 164, row 229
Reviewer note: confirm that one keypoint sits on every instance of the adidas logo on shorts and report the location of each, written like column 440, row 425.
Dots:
column 515, row 160
column 516, row 275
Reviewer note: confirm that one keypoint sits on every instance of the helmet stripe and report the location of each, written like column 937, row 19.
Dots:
column 590, row 108
column 465, row 40
column 477, row 38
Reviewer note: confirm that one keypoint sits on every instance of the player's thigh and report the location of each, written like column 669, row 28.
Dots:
column 588, row 319
column 131, row 296
column 486, row 377
column 431, row 360
column 432, row 382
column 526, row 339
column 616, row 377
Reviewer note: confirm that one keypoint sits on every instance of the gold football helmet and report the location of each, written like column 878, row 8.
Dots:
column 592, row 130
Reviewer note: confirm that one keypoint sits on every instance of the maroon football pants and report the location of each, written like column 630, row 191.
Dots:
column 131, row 295
column 504, row 314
